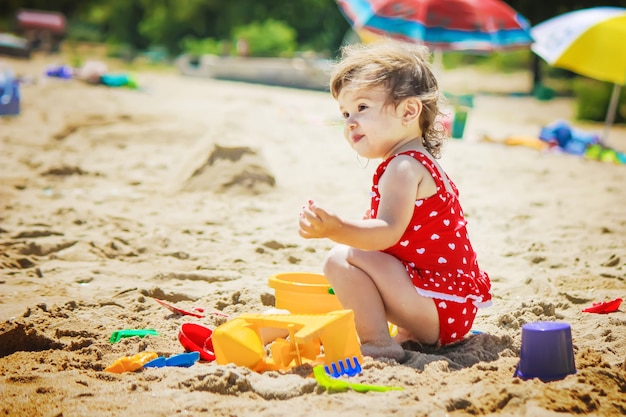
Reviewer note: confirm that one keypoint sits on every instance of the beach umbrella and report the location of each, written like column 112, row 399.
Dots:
column 461, row 25
column 590, row 42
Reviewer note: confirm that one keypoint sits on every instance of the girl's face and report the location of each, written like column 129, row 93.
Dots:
column 373, row 127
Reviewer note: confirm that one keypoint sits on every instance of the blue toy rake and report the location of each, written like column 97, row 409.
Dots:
column 344, row 367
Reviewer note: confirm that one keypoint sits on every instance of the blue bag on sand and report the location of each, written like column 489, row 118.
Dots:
column 580, row 141
column 570, row 140
column 9, row 93
column 558, row 133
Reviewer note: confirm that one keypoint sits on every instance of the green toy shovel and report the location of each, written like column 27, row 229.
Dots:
column 339, row 385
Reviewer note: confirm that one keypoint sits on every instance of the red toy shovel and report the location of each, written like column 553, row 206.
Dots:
column 604, row 307
column 171, row 307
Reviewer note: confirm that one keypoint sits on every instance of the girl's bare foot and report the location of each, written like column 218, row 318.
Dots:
column 391, row 350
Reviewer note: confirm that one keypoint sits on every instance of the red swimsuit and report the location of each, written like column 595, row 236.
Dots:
column 438, row 256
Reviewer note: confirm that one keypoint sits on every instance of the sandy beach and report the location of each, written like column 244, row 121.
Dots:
column 189, row 191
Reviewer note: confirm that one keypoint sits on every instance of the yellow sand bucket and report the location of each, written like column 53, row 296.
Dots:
column 303, row 293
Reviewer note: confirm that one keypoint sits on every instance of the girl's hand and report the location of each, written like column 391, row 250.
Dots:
column 315, row 222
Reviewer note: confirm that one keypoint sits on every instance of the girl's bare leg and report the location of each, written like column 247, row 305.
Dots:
column 377, row 288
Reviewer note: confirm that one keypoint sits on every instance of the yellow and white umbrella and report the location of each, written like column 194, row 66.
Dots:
column 589, row 42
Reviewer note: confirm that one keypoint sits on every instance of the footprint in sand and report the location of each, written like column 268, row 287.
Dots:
column 63, row 171
column 90, row 120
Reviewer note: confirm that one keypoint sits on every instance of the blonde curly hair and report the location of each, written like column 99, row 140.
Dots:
column 404, row 70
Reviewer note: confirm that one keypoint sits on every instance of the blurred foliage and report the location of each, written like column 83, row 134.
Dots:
column 509, row 61
column 505, row 61
column 270, row 38
column 318, row 24
column 593, row 99
column 206, row 46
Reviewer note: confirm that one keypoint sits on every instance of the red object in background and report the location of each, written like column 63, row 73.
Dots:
column 457, row 25
column 41, row 20
column 604, row 307
column 197, row 338
column 171, row 307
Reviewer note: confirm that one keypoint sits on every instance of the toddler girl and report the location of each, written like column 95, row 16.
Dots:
column 409, row 261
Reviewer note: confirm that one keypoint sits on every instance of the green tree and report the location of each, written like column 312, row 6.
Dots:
column 318, row 24
column 270, row 38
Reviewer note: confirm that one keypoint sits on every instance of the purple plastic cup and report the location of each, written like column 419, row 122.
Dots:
column 547, row 352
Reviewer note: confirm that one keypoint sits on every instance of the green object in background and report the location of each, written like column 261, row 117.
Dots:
column 119, row 80
column 334, row 384
column 459, row 100
column 119, row 334
column 458, row 123
column 543, row 93
column 462, row 103
column 464, row 100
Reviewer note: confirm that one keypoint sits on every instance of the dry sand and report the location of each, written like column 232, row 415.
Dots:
column 190, row 191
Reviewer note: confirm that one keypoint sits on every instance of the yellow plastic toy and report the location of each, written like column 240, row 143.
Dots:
column 317, row 338
column 131, row 363
column 303, row 293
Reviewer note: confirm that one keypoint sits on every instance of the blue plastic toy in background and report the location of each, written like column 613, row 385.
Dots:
column 570, row 140
column 9, row 93
column 119, row 80
column 60, row 71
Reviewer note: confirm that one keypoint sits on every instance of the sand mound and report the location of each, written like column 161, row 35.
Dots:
column 232, row 169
